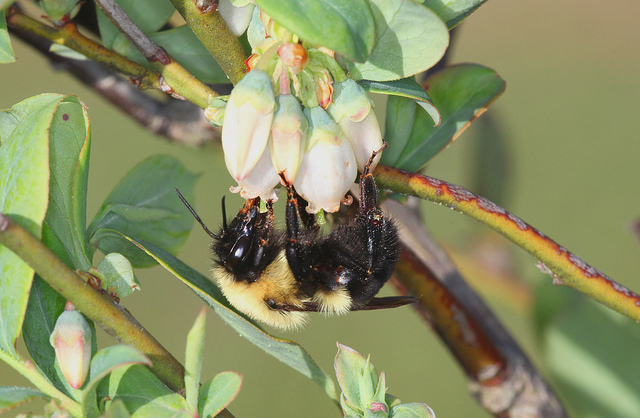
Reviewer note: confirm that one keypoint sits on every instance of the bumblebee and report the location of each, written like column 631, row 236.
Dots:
column 278, row 277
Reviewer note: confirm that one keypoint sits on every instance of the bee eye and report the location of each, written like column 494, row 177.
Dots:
column 239, row 251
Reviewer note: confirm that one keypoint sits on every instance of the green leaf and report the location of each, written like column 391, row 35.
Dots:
column 593, row 354
column 286, row 351
column 401, row 114
column 357, row 377
column 104, row 362
column 148, row 15
column 412, row 410
column 6, row 51
column 141, row 392
column 117, row 275
column 13, row 396
column 218, row 393
column 146, row 189
column 346, row 27
column 44, row 308
column 452, row 12
column 185, row 47
column 24, row 187
column 410, row 38
column 193, row 361
column 406, row 87
column 461, row 93
column 116, row 409
column 70, row 143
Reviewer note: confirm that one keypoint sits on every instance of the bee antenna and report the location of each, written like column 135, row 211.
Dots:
column 195, row 215
column 224, row 215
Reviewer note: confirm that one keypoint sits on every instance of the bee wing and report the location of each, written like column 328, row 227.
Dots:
column 375, row 303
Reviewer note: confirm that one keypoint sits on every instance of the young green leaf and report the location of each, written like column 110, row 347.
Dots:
column 193, row 361
column 13, row 396
column 218, row 393
column 410, row 38
column 69, row 147
column 117, row 275
column 354, row 372
column 346, row 27
column 412, row 410
column 145, row 206
column 6, row 51
column 453, row 12
column 104, row 362
column 141, row 391
column 461, row 93
column 24, row 188
column 286, row 351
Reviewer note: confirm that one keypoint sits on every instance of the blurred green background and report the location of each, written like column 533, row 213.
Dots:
column 570, row 124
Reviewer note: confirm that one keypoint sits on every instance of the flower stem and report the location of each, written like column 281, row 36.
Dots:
column 69, row 36
column 216, row 36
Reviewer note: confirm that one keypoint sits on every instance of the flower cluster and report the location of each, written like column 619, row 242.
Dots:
column 296, row 118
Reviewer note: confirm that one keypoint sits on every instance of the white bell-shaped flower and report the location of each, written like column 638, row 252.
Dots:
column 260, row 181
column 288, row 136
column 247, row 123
column 328, row 167
column 352, row 109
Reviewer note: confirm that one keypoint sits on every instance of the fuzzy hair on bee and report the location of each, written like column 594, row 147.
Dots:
column 278, row 277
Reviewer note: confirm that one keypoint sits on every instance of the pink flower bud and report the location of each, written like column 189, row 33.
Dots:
column 71, row 340
column 328, row 167
column 288, row 135
column 247, row 123
column 295, row 56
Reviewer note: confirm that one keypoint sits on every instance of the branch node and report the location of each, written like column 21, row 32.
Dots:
column 161, row 55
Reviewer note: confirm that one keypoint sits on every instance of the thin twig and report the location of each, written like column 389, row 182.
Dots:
column 178, row 120
column 216, row 37
column 178, row 82
column 69, row 36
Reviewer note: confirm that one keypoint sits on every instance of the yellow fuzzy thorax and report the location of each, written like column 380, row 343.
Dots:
column 276, row 283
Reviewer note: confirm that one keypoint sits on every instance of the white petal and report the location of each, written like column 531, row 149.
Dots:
column 237, row 18
column 365, row 138
column 260, row 181
column 327, row 171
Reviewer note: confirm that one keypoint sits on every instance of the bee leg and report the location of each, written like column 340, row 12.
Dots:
column 301, row 233
column 368, row 189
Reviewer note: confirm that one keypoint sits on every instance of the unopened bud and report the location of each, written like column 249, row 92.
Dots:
column 295, row 56
column 71, row 340
column 288, row 136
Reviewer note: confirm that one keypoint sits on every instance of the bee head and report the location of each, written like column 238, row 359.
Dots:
column 249, row 243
